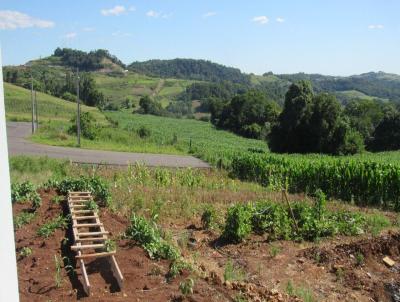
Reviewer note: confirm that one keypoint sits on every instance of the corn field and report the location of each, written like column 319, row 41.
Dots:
column 365, row 182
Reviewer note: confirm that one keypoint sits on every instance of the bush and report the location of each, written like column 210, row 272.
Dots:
column 209, row 218
column 89, row 129
column 238, row 223
column 26, row 191
column 149, row 237
column 144, row 132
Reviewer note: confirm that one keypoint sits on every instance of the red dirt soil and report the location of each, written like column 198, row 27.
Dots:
column 144, row 278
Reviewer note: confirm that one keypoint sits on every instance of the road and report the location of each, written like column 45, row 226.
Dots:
column 18, row 144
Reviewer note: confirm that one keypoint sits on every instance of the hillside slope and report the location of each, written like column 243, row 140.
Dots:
column 18, row 106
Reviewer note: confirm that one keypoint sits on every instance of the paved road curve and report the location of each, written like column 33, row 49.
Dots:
column 18, row 144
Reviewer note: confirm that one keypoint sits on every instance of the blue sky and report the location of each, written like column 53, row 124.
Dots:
column 337, row 37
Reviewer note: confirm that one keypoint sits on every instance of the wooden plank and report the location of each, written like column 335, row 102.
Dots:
column 82, row 211
column 104, row 238
column 84, row 217
column 116, row 271
column 95, row 255
column 87, row 246
column 87, row 225
column 92, row 233
column 79, row 192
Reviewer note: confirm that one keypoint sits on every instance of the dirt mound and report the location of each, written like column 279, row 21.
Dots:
column 359, row 265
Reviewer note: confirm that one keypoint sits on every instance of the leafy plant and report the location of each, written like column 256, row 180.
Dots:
column 359, row 259
column 177, row 267
column 25, row 252
column 148, row 236
column 209, row 218
column 110, row 245
column 144, row 132
column 57, row 199
column 26, row 191
column 48, row 228
column 22, row 219
column 274, row 250
column 91, row 205
column 238, row 223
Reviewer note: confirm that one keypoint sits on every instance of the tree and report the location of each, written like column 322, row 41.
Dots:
column 387, row 134
column 313, row 124
column 291, row 132
column 148, row 106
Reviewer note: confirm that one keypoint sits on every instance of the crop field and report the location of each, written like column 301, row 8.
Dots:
column 199, row 235
column 133, row 86
column 18, row 106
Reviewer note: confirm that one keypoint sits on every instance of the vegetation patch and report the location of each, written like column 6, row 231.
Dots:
column 47, row 229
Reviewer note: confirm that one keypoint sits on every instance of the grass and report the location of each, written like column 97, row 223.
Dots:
column 18, row 106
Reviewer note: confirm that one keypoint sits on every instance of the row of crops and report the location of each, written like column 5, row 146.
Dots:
column 362, row 181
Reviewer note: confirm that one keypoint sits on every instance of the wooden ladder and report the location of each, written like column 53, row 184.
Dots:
column 89, row 235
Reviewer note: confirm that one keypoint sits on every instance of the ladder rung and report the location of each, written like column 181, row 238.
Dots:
column 91, row 239
column 104, row 254
column 93, row 233
column 84, row 217
column 82, row 211
column 86, row 246
column 87, row 225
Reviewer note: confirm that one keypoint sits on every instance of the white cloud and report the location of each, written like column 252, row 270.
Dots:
column 153, row 14
column 280, row 20
column 12, row 19
column 115, row 11
column 132, row 8
column 376, row 26
column 88, row 29
column 166, row 16
column 209, row 14
column 260, row 19
column 70, row 36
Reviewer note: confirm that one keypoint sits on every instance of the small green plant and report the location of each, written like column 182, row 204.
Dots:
column 48, row 228
column 57, row 275
column 186, row 287
column 177, row 267
column 359, row 259
column 339, row 274
column 91, row 205
column 375, row 223
column 22, row 219
column 25, row 252
column 240, row 298
column 233, row 273
column 274, row 250
column 301, row 292
column 209, row 218
column 26, row 191
column 110, row 246
column 57, row 199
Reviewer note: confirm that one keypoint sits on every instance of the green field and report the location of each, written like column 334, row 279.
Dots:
column 132, row 86
column 18, row 106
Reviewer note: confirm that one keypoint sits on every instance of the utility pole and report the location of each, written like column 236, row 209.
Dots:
column 78, row 116
column 33, row 106
column 36, row 112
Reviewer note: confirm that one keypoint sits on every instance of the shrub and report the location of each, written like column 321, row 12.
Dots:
column 144, row 132
column 148, row 236
column 209, row 218
column 238, row 223
column 88, row 127
column 22, row 219
column 26, row 191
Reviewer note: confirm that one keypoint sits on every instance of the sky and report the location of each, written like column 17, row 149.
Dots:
column 337, row 37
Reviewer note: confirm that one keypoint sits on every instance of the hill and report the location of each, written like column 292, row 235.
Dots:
column 379, row 85
column 190, row 69
column 18, row 106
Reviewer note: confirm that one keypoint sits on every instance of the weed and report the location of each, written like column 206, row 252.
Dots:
column 57, row 274
column 339, row 274
column 110, row 245
column 186, row 287
column 375, row 223
column 359, row 259
column 25, row 252
column 274, row 250
column 301, row 292
column 22, row 219
column 91, row 205
column 177, row 267
column 233, row 273
column 57, row 199
column 209, row 218
column 26, row 191
column 240, row 298
column 48, row 228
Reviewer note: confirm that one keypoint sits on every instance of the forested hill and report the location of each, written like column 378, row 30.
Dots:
column 85, row 61
column 190, row 69
column 374, row 84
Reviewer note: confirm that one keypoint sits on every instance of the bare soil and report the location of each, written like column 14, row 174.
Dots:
column 331, row 270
